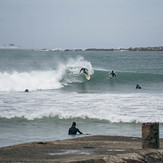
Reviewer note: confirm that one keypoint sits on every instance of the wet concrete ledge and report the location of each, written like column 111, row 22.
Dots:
column 89, row 149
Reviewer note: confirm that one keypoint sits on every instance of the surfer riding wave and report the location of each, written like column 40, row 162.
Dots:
column 112, row 74
column 85, row 70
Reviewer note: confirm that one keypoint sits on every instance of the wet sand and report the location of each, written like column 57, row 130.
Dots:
column 89, row 149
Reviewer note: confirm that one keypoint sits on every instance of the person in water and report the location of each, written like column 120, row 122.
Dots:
column 73, row 130
column 26, row 90
column 138, row 86
column 84, row 70
column 112, row 74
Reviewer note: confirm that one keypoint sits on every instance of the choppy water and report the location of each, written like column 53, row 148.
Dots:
column 59, row 95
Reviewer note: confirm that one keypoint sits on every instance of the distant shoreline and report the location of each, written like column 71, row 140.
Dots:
column 157, row 48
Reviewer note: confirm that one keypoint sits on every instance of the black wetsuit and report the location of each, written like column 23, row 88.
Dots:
column 113, row 74
column 138, row 86
column 73, row 131
column 84, row 70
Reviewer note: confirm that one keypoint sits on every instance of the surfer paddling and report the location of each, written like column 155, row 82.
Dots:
column 112, row 74
column 73, row 130
column 138, row 86
column 85, row 70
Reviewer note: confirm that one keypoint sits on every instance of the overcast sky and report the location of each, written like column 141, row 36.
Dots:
column 81, row 23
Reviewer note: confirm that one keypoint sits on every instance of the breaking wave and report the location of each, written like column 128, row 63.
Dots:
column 67, row 75
column 57, row 78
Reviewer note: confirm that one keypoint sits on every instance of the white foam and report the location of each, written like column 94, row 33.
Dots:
column 76, row 64
column 112, row 107
column 33, row 80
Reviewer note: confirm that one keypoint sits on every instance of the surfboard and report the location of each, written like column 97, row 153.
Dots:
column 87, row 77
column 111, row 77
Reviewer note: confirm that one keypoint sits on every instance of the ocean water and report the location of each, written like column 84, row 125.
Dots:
column 59, row 95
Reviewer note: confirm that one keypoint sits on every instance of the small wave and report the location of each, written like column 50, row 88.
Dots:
column 82, row 118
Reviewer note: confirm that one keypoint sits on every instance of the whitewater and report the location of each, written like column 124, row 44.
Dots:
column 59, row 95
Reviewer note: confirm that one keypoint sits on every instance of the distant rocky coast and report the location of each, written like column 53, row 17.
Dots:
column 158, row 48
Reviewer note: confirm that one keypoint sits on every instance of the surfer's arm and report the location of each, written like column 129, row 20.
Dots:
column 69, row 133
column 80, row 71
column 86, row 71
column 79, row 132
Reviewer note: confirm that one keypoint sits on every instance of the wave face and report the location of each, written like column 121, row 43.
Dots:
column 67, row 77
